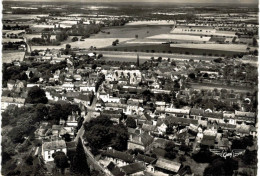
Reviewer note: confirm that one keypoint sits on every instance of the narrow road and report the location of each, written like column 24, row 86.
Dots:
column 80, row 134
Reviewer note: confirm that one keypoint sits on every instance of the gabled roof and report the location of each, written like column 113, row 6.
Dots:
column 178, row 120
column 144, row 158
column 115, row 170
column 133, row 168
column 119, row 155
column 143, row 139
column 53, row 145
column 168, row 165
column 195, row 111
column 147, row 127
column 245, row 114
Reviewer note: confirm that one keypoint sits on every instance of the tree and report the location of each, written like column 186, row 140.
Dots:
column 61, row 160
column 100, row 56
column 74, row 39
column 173, row 63
column 29, row 160
column 254, row 42
column 67, row 137
column 242, row 143
column 56, row 113
column 192, row 76
column 130, row 122
column 203, row 156
column 101, row 133
column 169, row 148
column 42, row 111
column 220, row 166
column 169, row 130
column 79, row 164
column 36, row 95
column 159, row 59
column 250, row 157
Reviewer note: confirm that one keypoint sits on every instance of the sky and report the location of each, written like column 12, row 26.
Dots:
column 164, row 1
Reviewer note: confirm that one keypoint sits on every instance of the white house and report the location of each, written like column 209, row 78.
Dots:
column 48, row 148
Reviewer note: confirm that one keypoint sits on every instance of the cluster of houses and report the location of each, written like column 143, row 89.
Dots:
column 122, row 94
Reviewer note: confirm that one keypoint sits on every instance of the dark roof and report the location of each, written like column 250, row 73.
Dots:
column 208, row 142
column 179, row 120
column 195, row 111
column 148, row 117
column 147, row 127
column 115, row 170
column 119, row 155
column 168, row 165
column 146, row 139
column 213, row 115
column 145, row 158
column 133, row 168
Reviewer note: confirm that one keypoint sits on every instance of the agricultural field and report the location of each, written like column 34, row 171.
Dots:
column 22, row 17
column 96, row 42
column 7, row 40
column 132, row 31
column 8, row 57
column 86, row 44
column 222, row 47
column 180, row 37
column 161, row 22
column 30, row 36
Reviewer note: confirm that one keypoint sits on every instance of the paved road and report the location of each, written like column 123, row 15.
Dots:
column 87, row 118
column 80, row 134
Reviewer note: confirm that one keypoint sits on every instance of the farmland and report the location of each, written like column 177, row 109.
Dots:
column 8, row 57
column 180, row 37
column 86, row 44
column 132, row 31
column 162, row 22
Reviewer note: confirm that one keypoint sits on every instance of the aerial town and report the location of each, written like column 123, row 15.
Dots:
column 129, row 89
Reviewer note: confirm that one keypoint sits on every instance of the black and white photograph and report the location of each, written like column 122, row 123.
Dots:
column 129, row 88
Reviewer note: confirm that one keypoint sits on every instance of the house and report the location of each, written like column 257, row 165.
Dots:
column 115, row 170
column 6, row 101
column 184, row 113
column 117, row 157
column 41, row 132
column 72, row 120
column 162, row 128
column 10, row 84
column 134, row 169
column 167, row 166
column 209, row 137
column 114, row 115
column 48, row 148
column 141, row 141
column 245, row 117
column 68, row 86
column 148, row 128
column 146, row 159
column 160, row 143
column 83, row 99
